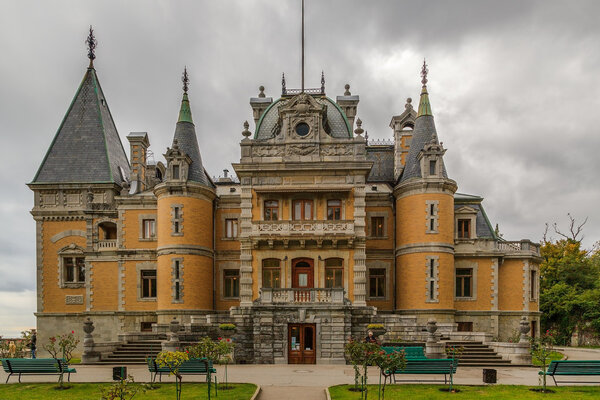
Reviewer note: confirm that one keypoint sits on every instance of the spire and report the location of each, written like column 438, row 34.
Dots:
column 185, row 136
column 424, row 105
column 91, row 44
column 185, row 113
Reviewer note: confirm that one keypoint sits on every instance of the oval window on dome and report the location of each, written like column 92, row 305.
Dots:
column 302, row 129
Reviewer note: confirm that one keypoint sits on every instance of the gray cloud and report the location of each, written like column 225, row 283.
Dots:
column 513, row 86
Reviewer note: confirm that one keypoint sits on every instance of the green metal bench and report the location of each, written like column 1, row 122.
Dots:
column 573, row 368
column 427, row 366
column 36, row 366
column 195, row 366
column 409, row 351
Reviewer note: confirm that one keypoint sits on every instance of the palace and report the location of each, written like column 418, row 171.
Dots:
column 323, row 233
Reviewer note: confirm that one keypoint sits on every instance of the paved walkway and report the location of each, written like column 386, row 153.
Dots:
column 280, row 382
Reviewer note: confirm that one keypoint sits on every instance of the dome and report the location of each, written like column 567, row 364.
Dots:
column 268, row 124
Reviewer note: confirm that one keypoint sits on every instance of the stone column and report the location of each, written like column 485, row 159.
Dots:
column 89, row 355
column 172, row 344
column 433, row 347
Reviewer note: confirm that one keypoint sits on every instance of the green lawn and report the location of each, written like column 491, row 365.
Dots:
column 85, row 391
column 499, row 392
column 555, row 355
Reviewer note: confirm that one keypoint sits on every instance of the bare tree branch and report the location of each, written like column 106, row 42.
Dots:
column 574, row 229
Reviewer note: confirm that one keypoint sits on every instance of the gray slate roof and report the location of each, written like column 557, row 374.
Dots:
column 185, row 133
column 422, row 134
column 383, row 163
column 268, row 127
column 86, row 147
column 483, row 227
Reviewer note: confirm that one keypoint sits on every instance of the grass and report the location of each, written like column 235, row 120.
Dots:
column 555, row 355
column 85, row 391
column 496, row 392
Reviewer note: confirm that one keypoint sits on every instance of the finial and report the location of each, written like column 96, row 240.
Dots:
column 185, row 79
column 91, row 43
column 262, row 91
column 359, row 130
column 322, row 82
column 367, row 137
column 246, row 133
column 408, row 104
column 283, row 83
column 424, row 72
column 347, row 92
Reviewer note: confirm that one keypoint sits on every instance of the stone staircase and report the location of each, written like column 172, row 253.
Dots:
column 477, row 354
column 134, row 352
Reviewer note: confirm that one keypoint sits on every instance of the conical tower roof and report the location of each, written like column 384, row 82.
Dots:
column 185, row 134
column 86, row 147
column 423, row 133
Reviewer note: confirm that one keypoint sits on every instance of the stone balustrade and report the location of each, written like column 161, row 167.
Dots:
column 301, row 296
column 107, row 245
column 516, row 248
column 299, row 228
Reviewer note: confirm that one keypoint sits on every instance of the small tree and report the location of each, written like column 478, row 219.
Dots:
column 541, row 348
column 363, row 355
column 352, row 350
column 224, row 350
column 173, row 360
column 205, row 348
column 62, row 346
column 125, row 389
column 388, row 364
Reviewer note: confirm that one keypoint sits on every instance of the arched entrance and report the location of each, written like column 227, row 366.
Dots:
column 303, row 273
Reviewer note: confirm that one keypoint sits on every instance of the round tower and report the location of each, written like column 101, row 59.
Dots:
column 184, row 226
column 425, row 224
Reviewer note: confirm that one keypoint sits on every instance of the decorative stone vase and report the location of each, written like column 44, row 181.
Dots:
column 89, row 355
column 524, row 329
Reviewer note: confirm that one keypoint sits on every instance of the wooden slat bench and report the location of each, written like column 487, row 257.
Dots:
column 409, row 351
column 426, row 366
column 189, row 367
column 36, row 366
column 573, row 368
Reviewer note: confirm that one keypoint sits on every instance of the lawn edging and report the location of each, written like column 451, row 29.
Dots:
column 327, row 393
column 257, row 392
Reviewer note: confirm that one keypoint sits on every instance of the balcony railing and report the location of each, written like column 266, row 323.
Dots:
column 301, row 296
column 523, row 245
column 107, row 245
column 311, row 228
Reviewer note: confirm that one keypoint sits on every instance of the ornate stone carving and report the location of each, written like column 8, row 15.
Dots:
column 300, row 149
column 74, row 299
column 267, row 151
column 336, row 150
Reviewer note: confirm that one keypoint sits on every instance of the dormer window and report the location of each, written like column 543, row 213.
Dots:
column 432, row 165
column 464, row 228
column 302, row 129
column 175, row 171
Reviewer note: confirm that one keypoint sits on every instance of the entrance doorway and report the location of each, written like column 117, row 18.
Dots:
column 301, row 344
column 302, row 278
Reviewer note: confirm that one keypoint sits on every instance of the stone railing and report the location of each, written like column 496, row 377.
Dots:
column 107, row 245
column 301, row 296
column 518, row 246
column 311, row 228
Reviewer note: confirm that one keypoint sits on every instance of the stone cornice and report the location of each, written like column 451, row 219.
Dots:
column 185, row 189
column 425, row 185
column 435, row 247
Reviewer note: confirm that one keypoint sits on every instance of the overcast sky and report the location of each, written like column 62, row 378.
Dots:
column 514, row 87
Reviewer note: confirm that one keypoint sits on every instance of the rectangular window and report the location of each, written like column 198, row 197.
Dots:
column 303, row 210
column 231, row 228
column 175, row 171
column 464, row 228
column 533, row 285
column 431, row 278
column 148, row 283
column 334, row 273
column 74, row 269
column 231, row 283
column 271, row 210
column 432, row 216
column 271, row 273
column 377, row 282
column 432, row 167
column 149, row 227
column 464, row 282
column 177, row 280
column 176, row 220
column 334, row 210
column 377, row 226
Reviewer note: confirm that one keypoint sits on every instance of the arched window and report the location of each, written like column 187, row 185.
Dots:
column 107, row 231
column 271, row 273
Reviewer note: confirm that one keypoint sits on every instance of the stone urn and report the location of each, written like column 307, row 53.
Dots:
column 227, row 331
column 524, row 328
column 89, row 355
column 431, row 330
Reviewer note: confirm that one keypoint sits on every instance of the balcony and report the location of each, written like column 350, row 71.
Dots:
column 107, row 245
column 522, row 248
column 303, row 228
column 301, row 296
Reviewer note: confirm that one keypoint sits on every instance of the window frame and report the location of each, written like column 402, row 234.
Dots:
column 334, row 208
column 304, row 203
column 232, row 275
column 463, row 233
column 377, row 231
column 459, row 292
column 271, row 212
column 234, row 231
column 334, row 269
column 377, row 277
column 152, row 289
column 270, row 270
column 145, row 234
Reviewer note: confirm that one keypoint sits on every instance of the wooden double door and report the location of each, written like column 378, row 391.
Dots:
column 301, row 344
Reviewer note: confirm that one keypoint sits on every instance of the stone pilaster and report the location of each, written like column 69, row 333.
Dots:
column 246, row 246
column 360, row 269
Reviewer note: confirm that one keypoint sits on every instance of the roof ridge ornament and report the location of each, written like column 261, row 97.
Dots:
column 92, row 43
column 185, row 79
column 424, row 72
column 322, row 81
column 283, row 83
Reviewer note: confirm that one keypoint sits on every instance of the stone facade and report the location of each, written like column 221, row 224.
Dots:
column 323, row 233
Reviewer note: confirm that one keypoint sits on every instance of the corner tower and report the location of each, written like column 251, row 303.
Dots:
column 185, row 224
column 425, row 223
